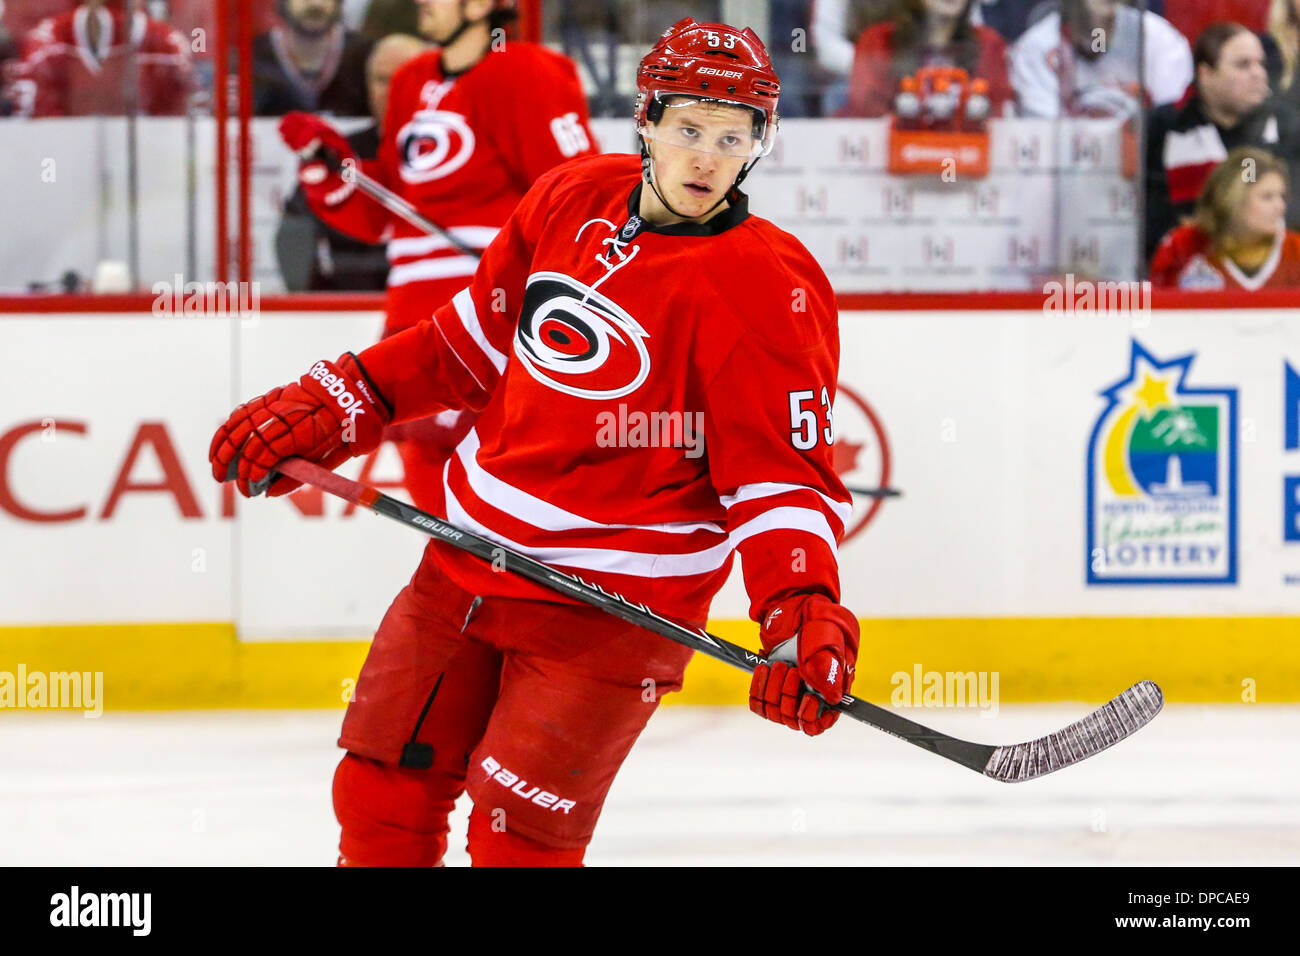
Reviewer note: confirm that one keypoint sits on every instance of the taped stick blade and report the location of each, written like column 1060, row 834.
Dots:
column 1104, row 727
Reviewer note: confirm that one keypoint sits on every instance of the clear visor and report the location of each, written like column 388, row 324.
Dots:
column 720, row 127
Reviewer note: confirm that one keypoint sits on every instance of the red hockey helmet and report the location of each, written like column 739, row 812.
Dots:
column 712, row 62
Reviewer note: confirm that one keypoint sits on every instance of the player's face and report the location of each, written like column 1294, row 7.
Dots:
column 698, row 150
column 1264, row 208
column 1239, row 83
column 439, row 19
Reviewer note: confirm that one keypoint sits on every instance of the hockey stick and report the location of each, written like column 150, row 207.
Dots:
column 392, row 202
column 1107, row 725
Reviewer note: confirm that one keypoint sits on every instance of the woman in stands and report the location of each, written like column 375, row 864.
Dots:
column 1284, row 34
column 1229, row 106
column 924, row 33
column 1237, row 238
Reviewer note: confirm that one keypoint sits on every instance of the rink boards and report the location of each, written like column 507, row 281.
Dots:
column 1071, row 503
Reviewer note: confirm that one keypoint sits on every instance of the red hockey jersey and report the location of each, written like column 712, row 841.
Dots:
column 1184, row 260
column 601, row 350
column 463, row 150
column 62, row 73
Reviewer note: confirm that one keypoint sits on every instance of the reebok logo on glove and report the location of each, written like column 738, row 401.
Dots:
column 337, row 387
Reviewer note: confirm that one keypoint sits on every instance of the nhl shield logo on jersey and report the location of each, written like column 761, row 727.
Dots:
column 577, row 341
column 434, row 144
column 1162, row 479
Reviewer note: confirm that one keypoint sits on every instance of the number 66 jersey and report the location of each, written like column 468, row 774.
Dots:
column 654, row 398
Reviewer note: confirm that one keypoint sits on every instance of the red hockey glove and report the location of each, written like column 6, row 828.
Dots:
column 329, row 415
column 811, row 643
column 323, row 150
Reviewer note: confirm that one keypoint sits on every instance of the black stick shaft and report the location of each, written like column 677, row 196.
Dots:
column 972, row 755
column 394, row 203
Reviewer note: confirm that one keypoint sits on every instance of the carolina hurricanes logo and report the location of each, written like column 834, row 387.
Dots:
column 575, row 340
column 434, row 144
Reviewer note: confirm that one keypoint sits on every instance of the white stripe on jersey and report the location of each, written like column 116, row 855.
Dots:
column 608, row 560
column 479, row 237
column 443, row 267
column 787, row 519
column 547, row 517
column 766, row 489
column 464, row 303
column 542, row 514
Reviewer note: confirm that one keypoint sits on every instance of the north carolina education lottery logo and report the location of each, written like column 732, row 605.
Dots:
column 434, row 144
column 577, row 341
column 1162, row 479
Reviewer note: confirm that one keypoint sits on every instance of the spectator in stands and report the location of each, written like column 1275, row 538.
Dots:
column 924, row 33
column 1237, row 238
column 1228, row 107
column 790, row 48
column 196, row 21
column 1284, row 38
column 314, row 257
column 1083, row 61
column 79, row 62
column 832, row 26
column 310, row 62
column 1011, row 18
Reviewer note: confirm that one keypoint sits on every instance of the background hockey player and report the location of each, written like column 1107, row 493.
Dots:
column 470, row 126
column 620, row 286
column 314, row 257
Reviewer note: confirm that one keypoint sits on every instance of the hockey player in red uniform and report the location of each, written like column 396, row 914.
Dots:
column 621, row 290
column 470, row 127
column 77, row 64
column 1237, row 238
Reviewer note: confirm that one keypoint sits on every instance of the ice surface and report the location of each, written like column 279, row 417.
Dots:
column 1200, row 785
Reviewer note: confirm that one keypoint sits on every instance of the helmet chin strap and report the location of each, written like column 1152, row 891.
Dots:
column 648, row 175
column 464, row 25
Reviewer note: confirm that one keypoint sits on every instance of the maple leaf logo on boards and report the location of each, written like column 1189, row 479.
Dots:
column 844, row 455
column 861, row 458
